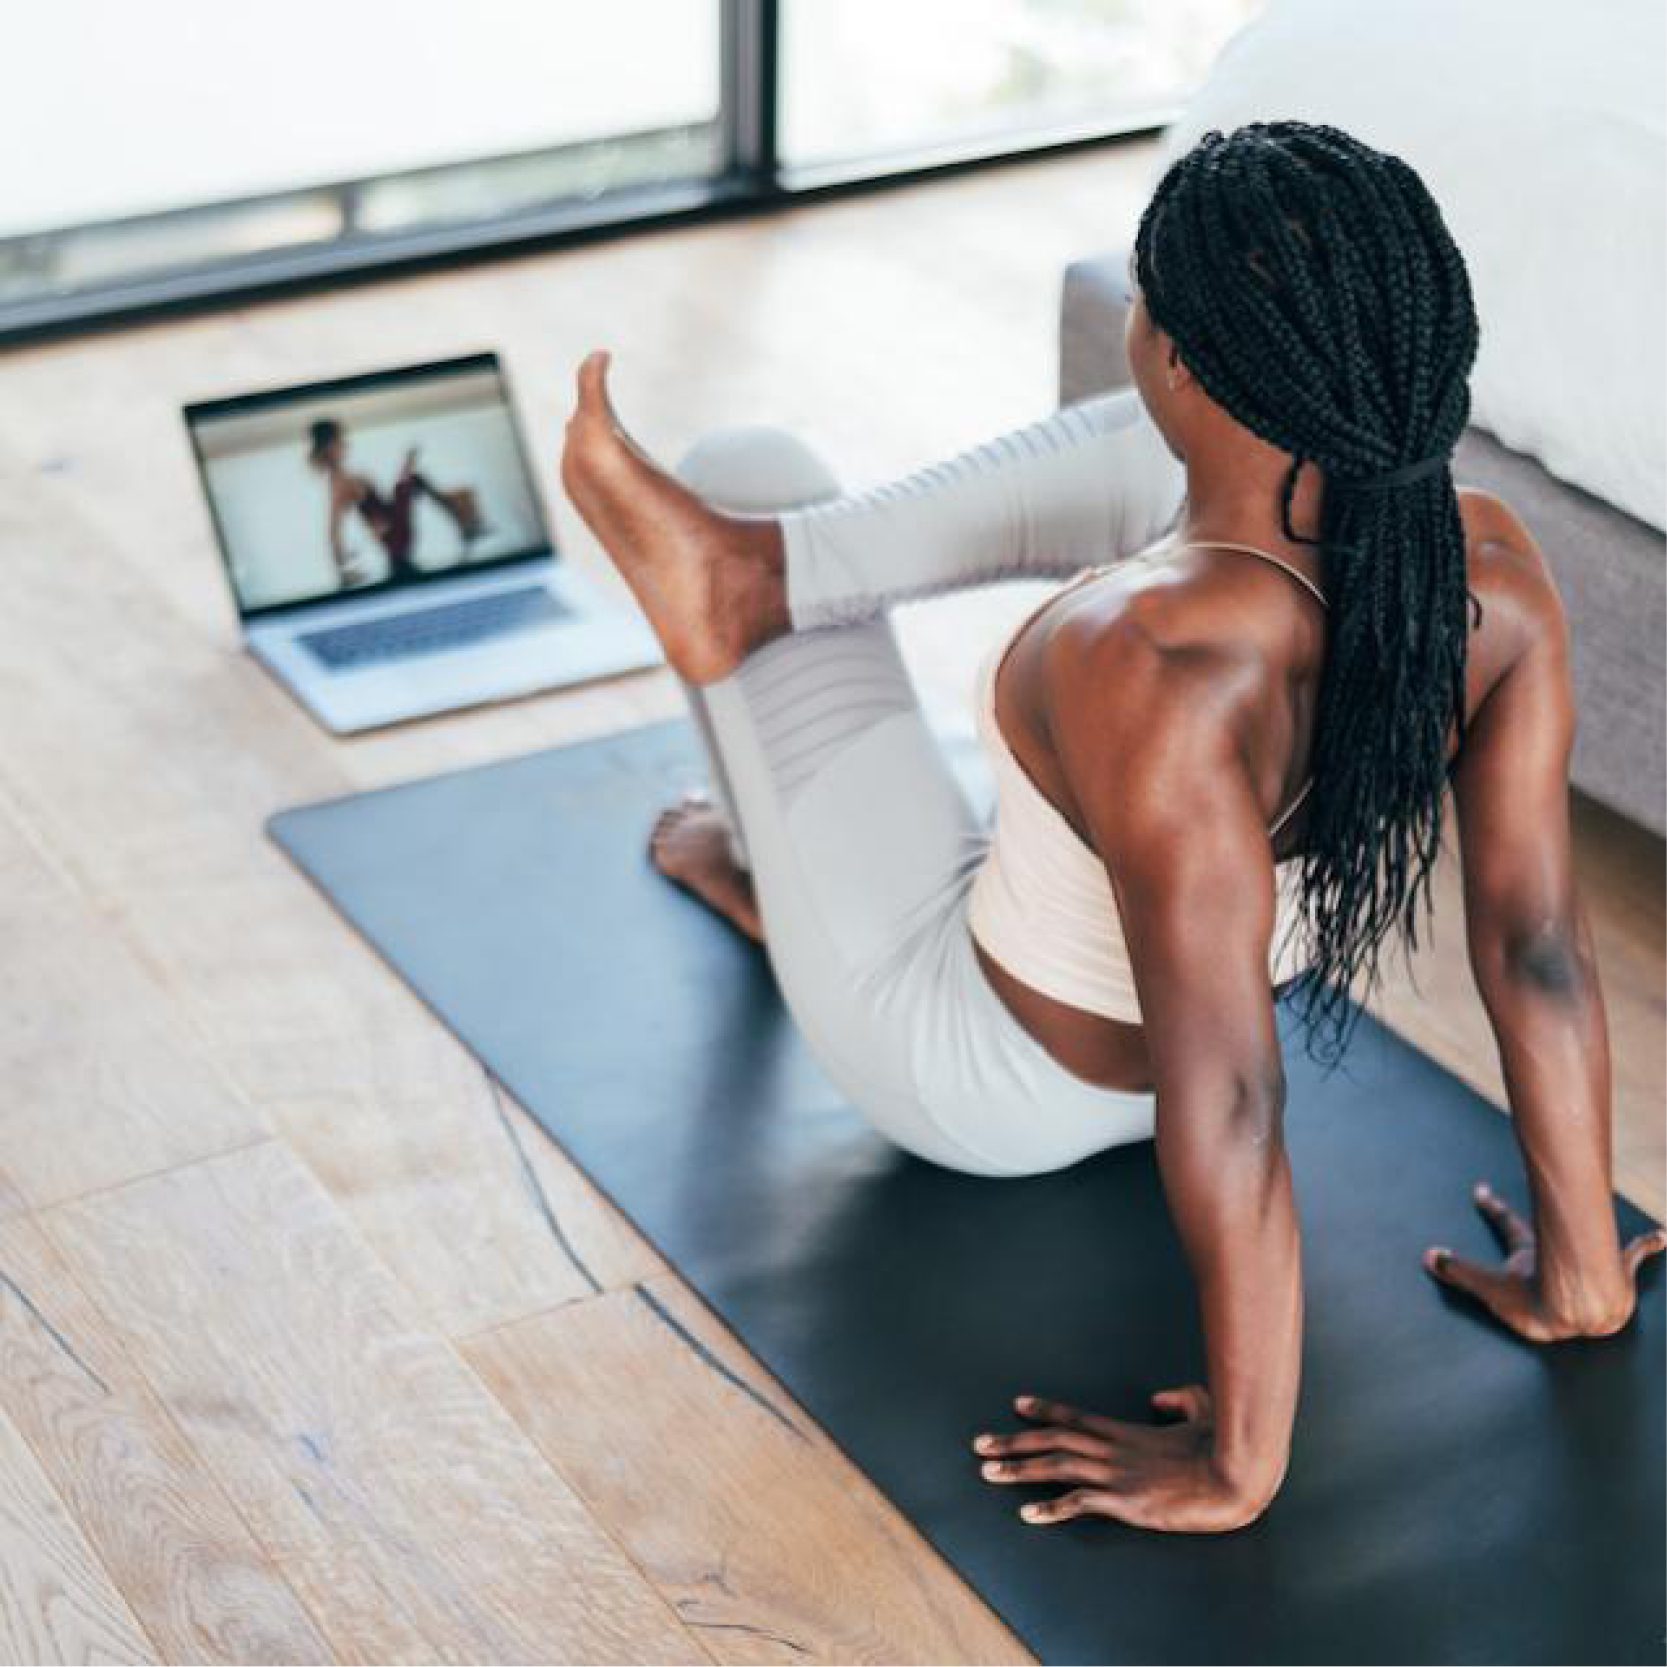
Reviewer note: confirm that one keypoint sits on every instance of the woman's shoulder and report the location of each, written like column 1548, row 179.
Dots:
column 1493, row 530
column 1519, row 616
column 1155, row 678
column 1507, row 566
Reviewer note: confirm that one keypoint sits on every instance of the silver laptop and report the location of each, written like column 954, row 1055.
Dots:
column 388, row 552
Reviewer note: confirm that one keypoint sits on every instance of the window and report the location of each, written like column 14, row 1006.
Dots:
column 167, row 136
column 179, row 150
column 864, row 81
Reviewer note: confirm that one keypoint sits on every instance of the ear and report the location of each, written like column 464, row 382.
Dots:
column 1177, row 373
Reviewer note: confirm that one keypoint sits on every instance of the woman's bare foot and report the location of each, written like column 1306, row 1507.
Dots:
column 711, row 584
column 690, row 846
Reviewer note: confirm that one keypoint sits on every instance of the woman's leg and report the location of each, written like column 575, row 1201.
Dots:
column 1087, row 484
column 398, row 530
column 762, row 470
column 861, row 844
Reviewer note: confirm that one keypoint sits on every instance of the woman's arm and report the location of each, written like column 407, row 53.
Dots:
column 1186, row 846
column 1532, row 957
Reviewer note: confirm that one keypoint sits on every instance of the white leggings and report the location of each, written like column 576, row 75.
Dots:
column 840, row 801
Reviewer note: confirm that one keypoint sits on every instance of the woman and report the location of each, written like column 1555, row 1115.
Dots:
column 1209, row 740
column 391, row 517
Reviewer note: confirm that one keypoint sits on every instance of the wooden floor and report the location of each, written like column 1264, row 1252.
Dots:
column 311, row 1346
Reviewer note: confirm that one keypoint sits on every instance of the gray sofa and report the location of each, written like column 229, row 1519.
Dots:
column 1610, row 568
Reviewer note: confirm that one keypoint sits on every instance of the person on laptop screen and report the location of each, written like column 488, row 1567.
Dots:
column 389, row 516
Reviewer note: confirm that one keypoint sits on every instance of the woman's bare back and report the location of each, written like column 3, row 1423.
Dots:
column 1277, row 635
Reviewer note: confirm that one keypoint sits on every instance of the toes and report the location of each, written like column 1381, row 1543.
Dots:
column 596, row 411
column 689, row 802
column 665, row 827
column 593, row 430
column 685, row 815
column 593, row 378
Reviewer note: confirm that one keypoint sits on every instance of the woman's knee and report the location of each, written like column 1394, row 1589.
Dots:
column 754, row 469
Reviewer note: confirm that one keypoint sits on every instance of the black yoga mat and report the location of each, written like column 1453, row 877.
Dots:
column 1454, row 1495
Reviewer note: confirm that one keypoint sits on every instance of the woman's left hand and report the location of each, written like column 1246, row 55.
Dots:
column 1159, row 1476
column 1522, row 1294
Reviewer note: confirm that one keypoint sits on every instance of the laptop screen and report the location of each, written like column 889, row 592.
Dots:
column 368, row 483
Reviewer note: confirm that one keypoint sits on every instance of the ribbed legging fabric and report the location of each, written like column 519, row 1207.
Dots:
column 839, row 798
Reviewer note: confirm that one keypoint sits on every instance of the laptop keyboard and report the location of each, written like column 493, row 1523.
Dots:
column 433, row 630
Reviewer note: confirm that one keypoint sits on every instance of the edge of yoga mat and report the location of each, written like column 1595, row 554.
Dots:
column 843, row 1265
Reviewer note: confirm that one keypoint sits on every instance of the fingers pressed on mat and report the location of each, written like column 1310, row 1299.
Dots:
column 1191, row 1402
column 1061, row 1413
column 1079, row 1502
column 1049, row 1467
column 1043, row 1441
column 1642, row 1248
column 1514, row 1233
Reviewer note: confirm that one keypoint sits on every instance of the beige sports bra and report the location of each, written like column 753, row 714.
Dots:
column 1041, row 904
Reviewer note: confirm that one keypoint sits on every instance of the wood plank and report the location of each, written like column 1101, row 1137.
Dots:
column 284, row 1004
column 181, row 1557
column 720, row 1488
column 56, row 1601
column 412, row 1516
column 485, row 1218
column 96, row 1044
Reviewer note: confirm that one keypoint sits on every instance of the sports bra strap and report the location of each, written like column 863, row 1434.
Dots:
column 1267, row 556
column 1314, row 590
column 1291, row 809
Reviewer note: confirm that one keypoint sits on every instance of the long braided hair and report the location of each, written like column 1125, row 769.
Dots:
column 1314, row 290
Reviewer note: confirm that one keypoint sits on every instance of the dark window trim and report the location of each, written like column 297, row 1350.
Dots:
column 750, row 47
column 752, row 180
